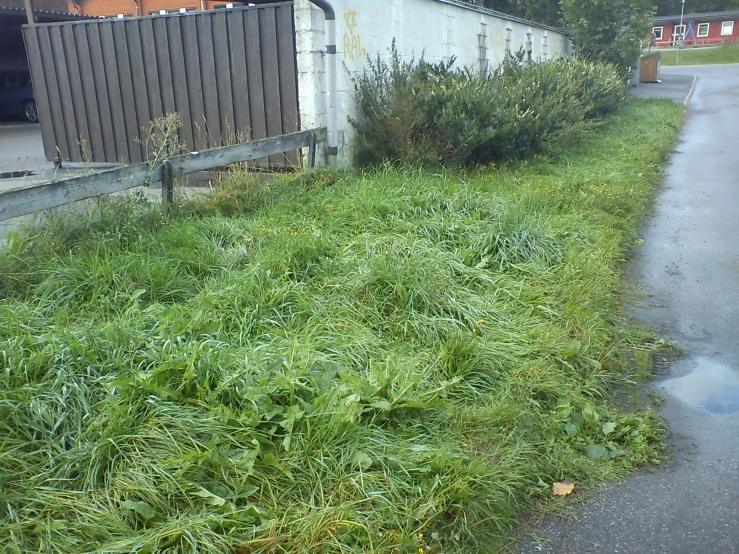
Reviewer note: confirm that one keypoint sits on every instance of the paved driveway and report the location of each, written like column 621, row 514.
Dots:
column 690, row 265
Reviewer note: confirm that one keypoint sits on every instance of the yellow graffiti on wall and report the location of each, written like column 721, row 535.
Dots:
column 353, row 41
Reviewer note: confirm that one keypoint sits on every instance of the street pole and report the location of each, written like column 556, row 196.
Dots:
column 29, row 11
column 682, row 34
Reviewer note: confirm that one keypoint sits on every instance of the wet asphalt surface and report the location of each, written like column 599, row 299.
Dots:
column 690, row 267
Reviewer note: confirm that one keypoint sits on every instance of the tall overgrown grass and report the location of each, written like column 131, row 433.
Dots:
column 394, row 361
column 429, row 113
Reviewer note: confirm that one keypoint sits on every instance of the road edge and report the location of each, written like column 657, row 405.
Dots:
column 690, row 92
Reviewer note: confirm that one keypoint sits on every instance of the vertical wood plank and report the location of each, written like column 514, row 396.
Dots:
column 254, row 72
column 256, row 84
column 239, row 80
column 208, row 75
column 115, row 93
column 179, row 79
column 71, row 60
column 164, row 67
column 138, row 80
column 271, row 76
column 125, row 81
column 151, row 67
column 287, row 67
column 65, row 94
column 194, row 81
column 89, row 95
column 222, row 64
column 40, row 89
column 101, row 94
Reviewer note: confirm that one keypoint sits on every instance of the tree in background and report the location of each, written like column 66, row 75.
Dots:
column 549, row 12
column 609, row 30
column 672, row 7
column 605, row 30
column 541, row 11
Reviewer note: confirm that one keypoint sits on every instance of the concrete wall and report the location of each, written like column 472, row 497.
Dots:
column 436, row 29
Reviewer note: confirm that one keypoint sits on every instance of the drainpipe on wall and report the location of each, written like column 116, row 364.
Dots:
column 138, row 11
column 330, row 16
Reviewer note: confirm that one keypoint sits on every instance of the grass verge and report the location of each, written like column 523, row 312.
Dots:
column 702, row 56
column 394, row 361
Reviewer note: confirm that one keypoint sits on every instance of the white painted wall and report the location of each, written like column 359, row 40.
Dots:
column 436, row 29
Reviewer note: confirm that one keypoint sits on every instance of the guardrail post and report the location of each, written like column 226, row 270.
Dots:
column 167, row 182
column 312, row 150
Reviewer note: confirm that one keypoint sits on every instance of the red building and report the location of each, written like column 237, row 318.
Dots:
column 137, row 8
column 696, row 29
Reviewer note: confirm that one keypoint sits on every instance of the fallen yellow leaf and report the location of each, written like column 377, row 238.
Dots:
column 563, row 488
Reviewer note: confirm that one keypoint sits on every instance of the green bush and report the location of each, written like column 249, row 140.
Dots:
column 419, row 112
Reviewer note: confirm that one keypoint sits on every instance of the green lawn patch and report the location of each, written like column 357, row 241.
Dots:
column 700, row 56
column 390, row 361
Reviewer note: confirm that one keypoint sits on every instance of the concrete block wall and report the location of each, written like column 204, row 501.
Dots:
column 310, row 44
column 436, row 29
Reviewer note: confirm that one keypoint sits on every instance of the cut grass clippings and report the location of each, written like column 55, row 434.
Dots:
column 395, row 361
column 701, row 56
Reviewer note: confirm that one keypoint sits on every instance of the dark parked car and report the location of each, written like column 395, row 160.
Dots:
column 16, row 96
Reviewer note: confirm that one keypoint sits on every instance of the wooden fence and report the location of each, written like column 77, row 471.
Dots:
column 36, row 198
column 231, row 75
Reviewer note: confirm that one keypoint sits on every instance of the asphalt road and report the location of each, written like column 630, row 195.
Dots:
column 690, row 265
column 672, row 85
column 21, row 147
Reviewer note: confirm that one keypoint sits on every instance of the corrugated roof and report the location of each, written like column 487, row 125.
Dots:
column 704, row 16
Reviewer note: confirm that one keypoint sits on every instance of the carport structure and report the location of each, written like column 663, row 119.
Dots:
column 12, row 18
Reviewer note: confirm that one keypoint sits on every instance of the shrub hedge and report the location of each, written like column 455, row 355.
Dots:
column 429, row 113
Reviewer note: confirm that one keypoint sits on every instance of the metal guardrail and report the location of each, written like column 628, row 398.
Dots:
column 36, row 198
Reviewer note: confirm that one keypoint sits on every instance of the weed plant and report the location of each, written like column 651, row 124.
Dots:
column 389, row 361
column 428, row 113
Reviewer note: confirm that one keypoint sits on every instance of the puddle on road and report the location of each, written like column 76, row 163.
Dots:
column 711, row 386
